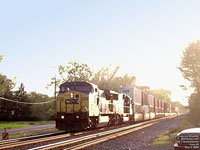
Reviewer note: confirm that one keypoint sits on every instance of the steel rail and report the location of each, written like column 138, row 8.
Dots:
column 19, row 144
column 40, row 140
column 14, row 140
column 93, row 136
column 34, row 141
column 106, row 138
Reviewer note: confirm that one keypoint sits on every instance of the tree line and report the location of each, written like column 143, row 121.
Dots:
column 105, row 78
column 11, row 111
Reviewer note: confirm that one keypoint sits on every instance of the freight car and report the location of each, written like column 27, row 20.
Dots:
column 82, row 105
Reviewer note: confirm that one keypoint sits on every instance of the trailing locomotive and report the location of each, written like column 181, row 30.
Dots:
column 82, row 105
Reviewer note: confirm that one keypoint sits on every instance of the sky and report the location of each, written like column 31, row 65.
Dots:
column 145, row 38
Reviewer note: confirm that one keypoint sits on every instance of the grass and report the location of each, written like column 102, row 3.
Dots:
column 167, row 138
column 19, row 124
column 185, row 123
column 31, row 133
column 41, row 122
column 8, row 125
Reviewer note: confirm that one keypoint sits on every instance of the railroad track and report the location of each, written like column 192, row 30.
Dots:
column 22, row 142
column 77, row 140
column 92, row 139
column 10, row 141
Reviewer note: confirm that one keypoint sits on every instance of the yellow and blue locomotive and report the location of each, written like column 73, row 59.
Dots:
column 77, row 106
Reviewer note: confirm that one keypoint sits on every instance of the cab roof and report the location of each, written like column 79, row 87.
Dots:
column 72, row 83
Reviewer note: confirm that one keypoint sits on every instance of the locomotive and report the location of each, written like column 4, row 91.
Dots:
column 83, row 105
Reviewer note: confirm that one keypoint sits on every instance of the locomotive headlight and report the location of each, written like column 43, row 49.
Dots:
column 62, row 117
column 71, row 95
column 77, row 117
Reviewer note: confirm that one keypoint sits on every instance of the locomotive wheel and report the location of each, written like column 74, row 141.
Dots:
column 131, row 119
column 93, row 122
column 118, row 119
column 121, row 119
column 112, row 120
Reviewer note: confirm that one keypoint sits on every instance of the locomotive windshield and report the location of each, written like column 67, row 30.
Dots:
column 82, row 88
column 76, row 87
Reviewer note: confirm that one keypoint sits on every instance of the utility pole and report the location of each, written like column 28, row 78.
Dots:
column 55, row 88
column 55, row 84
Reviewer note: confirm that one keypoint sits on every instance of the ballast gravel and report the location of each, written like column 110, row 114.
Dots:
column 141, row 139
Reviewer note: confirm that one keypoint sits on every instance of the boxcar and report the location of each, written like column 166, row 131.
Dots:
column 145, row 105
column 151, row 107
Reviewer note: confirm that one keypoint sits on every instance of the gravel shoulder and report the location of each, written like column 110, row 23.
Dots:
column 141, row 139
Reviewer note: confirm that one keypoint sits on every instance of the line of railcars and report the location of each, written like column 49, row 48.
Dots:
column 82, row 105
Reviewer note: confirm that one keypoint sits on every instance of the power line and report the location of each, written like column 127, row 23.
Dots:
column 9, row 100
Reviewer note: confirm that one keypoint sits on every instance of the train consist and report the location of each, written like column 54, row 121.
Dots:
column 82, row 105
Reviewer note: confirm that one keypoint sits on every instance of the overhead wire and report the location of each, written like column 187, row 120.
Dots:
column 27, row 103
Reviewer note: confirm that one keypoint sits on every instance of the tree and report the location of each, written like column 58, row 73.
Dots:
column 75, row 71
column 6, row 85
column 105, row 79
column 190, row 64
column 44, row 111
column 162, row 94
column 190, row 68
column 194, row 106
column 15, row 110
column 22, row 111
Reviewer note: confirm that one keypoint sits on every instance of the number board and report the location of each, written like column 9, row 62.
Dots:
column 71, row 101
